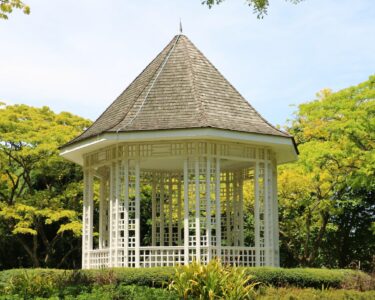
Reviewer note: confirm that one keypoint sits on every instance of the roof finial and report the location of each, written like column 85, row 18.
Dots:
column 180, row 26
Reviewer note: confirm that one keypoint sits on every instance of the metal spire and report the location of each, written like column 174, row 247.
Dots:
column 180, row 26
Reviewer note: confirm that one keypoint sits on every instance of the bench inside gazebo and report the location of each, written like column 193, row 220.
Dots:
column 183, row 169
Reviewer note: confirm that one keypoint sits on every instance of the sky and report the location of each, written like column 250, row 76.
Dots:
column 79, row 55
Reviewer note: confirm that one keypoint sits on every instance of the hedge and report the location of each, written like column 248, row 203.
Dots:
column 307, row 277
column 160, row 276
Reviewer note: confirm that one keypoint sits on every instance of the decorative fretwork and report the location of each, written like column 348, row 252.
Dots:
column 197, row 202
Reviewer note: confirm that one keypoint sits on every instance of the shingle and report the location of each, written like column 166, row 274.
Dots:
column 179, row 89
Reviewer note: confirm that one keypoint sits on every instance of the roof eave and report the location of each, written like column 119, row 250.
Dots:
column 284, row 147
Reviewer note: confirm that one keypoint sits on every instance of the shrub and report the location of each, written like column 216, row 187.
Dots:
column 305, row 277
column 61, row 283
column 27, row 285
column 212, row 281
column 152, row 277
column 125, row 292
column 271, row 293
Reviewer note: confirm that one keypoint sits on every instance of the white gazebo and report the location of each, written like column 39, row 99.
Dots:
column 181, row 168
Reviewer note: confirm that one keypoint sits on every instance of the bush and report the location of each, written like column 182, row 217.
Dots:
column 306, row 277
column 271, row 293
column 62, row 283
column 125, row 292
column 153, row 277
column 212, row 281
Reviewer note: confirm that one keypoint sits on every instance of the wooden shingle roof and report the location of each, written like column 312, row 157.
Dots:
column 180, row 89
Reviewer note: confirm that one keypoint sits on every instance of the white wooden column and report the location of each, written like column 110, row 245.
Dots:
column 102, row 213
column 275, row 216
column 179, row 217
column 170, row 209
column 241, row 207
column 112, row 216
column 235, row 198
column 186, row 212
column 153, row 199
column 218, row 209
column 257, row 214
column 267, row 218
column 208, row 208
column 228, row 209
column 197, row 212
column 161, row 228
column 88, row 216
column 126, row 213
column 137, row 213
column 117, row 212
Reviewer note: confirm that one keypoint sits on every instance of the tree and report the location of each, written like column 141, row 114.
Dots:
column 40, row 193
column 327, row 197
column 7, row 6
column 260, row 7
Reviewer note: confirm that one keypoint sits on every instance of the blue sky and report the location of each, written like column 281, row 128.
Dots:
column 79, row 55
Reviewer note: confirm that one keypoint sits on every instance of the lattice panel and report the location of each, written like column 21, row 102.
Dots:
column 120, row 211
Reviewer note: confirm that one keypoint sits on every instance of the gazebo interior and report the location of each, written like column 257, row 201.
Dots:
column 174, row 202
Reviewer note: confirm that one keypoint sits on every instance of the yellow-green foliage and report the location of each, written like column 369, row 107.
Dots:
column 272, row 293
column 212, row 281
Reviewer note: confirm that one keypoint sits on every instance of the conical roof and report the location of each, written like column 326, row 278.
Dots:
column 180, row 89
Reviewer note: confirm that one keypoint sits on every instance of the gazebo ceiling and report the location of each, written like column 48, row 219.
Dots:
column 180, row 90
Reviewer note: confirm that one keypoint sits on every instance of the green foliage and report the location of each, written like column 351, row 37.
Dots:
column 260, row 7
column 40, row 192
column 327, row 197
column 153, row 277
column 126, row 292
column 271, row 293
column 309, row 277
column 212, row 281
column 7, row 6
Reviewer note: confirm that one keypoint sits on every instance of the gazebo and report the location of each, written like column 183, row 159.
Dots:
column 180, row 167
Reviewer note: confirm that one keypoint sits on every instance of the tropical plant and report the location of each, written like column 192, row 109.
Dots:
column 212, row 281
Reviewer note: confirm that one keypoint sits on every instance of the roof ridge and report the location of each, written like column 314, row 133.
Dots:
column 202, row 112
column 153, row 80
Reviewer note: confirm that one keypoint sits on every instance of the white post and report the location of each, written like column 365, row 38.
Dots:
column 240, row 208
column 208, row 208
column 111, row 216
column 137, row 213
column 275, row 216
column 153, row 196
column 228, row 209
column 186, row 213
column 91, row 209
column 257, row 214
column 117, row 212
column 126, row 212
column 161, row 229
column 235, row 234
column 266, row 215
column 170, row 209
column 179, row 210
column 218, row 209
column 101, row 213
column 271, row 214
column 87, row 220
column 197, row 212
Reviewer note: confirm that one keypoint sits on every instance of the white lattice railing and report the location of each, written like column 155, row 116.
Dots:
column 161, row 256
column 98, row 259
column 156, row 256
